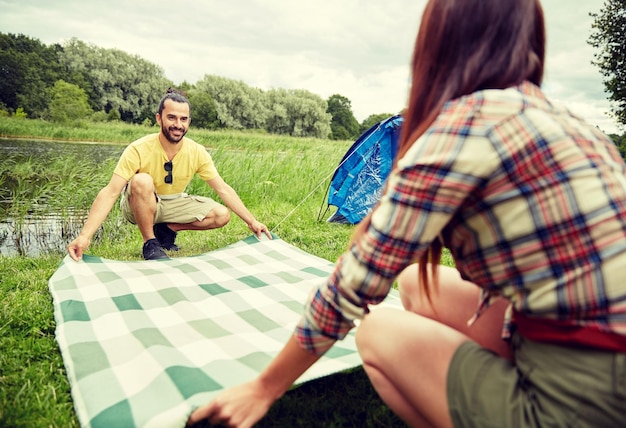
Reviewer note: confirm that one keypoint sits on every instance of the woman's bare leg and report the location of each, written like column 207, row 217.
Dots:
column 406, row 354
column 453, row 303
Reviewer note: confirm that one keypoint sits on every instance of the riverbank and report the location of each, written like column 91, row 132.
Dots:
column 124, row 133
column 282, row 180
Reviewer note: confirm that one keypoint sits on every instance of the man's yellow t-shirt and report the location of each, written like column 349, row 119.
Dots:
column 147, row 155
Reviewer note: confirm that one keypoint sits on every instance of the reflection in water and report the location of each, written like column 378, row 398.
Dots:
column 42, row 151
column 41, row 230
column 38, row 234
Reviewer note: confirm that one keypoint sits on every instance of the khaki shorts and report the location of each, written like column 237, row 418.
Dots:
column 548, row 386
column 183, row 209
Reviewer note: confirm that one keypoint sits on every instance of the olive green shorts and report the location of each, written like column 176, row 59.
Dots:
column 182, row 209
column 548, row 386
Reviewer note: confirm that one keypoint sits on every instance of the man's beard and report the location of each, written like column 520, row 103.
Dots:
column 170, row 137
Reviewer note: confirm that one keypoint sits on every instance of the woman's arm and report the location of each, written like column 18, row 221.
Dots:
column 244, row 405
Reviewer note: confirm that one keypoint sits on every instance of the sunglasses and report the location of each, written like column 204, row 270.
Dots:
column 168, row 167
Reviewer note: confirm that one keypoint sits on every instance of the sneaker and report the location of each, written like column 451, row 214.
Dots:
column 152, row 250
column 166, row 236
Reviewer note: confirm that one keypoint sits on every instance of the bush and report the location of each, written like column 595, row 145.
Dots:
column 114, row 115
column 99, row 116
column 68, row 102
column 20, row 113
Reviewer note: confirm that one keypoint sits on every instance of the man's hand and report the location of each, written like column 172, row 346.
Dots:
column 77, row 247
column 258, row 228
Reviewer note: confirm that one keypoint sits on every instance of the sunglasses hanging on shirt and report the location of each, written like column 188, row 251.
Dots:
column 168, row 167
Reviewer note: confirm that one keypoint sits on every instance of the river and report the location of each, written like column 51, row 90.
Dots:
column 37, row 233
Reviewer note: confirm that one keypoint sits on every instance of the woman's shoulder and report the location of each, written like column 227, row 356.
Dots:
column 497, row 103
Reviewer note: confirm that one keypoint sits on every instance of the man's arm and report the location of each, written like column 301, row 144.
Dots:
column 232, row 200
column 100, row 209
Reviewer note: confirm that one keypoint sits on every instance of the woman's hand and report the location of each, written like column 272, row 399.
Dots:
column 244, row 405
column 240, row 406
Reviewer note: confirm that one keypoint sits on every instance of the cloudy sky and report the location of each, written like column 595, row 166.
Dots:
column 356, row 48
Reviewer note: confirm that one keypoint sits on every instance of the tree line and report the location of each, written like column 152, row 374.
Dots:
column 76, row 80
column 608, row 38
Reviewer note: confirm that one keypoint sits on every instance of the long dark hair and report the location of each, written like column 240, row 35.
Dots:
column 464, row 46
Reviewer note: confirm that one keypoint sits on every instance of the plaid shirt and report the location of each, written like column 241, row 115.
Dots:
column 529, row 199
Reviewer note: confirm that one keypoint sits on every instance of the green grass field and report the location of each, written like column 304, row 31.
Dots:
column 282, row 180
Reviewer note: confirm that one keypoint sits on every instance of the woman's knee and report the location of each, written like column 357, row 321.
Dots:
column 408, row 287
column 372, row 328
column 411, row 293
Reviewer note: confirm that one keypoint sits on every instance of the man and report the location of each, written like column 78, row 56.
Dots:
column 153, row 173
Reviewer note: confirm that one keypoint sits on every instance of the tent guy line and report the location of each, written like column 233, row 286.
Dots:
column 301, row 202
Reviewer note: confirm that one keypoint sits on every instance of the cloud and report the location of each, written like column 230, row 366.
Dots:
column 570, row 76
column 357, row 49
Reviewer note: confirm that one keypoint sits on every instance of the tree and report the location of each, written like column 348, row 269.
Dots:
column 116, row 80
column 203, row 112
column 343, row 125
column 238, row 106
column 372, row 120
column 27, row 69
column 620, row 143
column 298, row 113
column 68, row 102
column 609, row 37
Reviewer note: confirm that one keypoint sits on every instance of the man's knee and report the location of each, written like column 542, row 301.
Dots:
column 220, row 216
column 141, row 183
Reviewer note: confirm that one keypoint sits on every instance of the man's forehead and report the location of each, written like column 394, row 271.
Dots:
column 173, row 107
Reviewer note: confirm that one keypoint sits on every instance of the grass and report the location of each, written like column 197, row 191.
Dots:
column 281, row 180
column 34, row 391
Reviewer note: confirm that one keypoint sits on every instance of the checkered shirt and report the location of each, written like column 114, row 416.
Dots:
column 529, row 199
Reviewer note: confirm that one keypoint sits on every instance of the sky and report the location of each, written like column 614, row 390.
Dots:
column 355, row 48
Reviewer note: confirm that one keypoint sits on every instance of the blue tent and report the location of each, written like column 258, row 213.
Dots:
column 358, row 181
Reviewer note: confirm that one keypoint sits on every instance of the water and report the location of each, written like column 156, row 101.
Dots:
column 41, row 231
column 42, row 150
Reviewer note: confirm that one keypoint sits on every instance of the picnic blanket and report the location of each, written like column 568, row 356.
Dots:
column 145, row 342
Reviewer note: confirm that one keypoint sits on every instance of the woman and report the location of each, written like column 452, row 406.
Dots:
column 530, row 201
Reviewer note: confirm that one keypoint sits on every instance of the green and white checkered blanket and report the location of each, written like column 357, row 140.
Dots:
column 145, row 342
